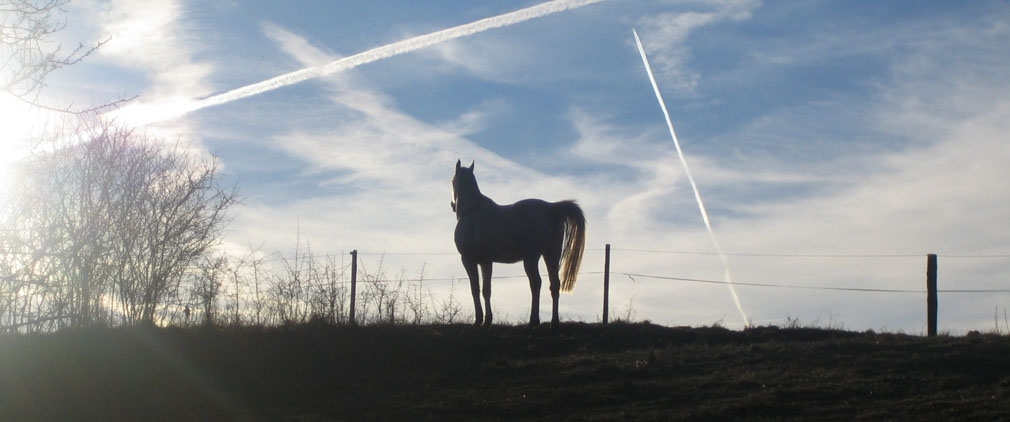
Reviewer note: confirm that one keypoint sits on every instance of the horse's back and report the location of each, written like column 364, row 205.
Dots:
column 505, row 233
column 531, row 212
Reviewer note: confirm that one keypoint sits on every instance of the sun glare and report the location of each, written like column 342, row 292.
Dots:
column 19, row 119
column 143, row 114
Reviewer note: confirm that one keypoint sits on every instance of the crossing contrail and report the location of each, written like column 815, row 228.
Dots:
column 694, row 186
column 151, row 113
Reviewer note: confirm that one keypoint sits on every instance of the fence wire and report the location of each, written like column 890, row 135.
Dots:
column 796, row 286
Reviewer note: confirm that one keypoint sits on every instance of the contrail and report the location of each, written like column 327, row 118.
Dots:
column 697, row 194
column 141, row 114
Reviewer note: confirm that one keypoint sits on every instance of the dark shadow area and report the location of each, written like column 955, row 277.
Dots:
column 459, row 372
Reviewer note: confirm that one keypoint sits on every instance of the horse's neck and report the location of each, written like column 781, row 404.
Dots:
column 470, row 202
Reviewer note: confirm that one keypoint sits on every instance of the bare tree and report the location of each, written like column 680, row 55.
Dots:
column 176, row 213
column 417, row 299
column 380, row 296
column 107, row 224
column 294, row 288
column 447, row 311
column 243, row 271
column 60, row 210
column 207, row 283
column 329, row 293
column 259, row 297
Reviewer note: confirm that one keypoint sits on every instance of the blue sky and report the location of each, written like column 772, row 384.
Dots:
column 811, row 128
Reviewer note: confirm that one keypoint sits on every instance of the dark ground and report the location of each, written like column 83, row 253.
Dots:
column 585, row 372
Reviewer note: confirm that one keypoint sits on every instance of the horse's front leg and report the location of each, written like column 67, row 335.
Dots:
column 471, row 272
column 533, row 273
column 485, row 270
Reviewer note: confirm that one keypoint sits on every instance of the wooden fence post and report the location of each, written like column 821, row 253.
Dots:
column 354, row 282
column 606, row 285
column 931, row 300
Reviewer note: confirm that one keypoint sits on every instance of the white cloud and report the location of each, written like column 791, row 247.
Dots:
column 156, row 43
column 949, row 198
column 150, row 36
column 384, row 161
column 942, row 191
column 476, row 119
column 371, row 138
column 296, row 46
column 511, row 62
column 664, row 37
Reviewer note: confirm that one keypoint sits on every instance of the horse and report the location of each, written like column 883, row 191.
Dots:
column 524, row 231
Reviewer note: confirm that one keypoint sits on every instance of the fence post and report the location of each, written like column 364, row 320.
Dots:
column 931, row 300
column 354, row 282
column 606, row 284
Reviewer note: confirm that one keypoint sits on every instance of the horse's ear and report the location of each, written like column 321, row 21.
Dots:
column 458, row 164
column 471, row 165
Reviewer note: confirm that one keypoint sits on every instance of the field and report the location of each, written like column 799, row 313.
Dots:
column 453, row 372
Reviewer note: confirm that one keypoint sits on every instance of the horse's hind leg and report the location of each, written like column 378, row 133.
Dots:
column 471, row 272
column 553, row 266
column 485, row 270
column 533, row 273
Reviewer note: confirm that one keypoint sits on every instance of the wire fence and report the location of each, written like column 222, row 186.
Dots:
column 930, row 287
column 735, row 254
column 278, row 288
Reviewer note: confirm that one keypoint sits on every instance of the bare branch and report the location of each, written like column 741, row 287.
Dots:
column 27, row 56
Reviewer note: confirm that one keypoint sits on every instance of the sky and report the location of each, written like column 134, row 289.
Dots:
column 835, row 144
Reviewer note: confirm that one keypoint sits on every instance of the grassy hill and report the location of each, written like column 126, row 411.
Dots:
column 584, row 372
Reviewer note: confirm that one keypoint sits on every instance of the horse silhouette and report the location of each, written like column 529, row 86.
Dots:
column 524, row 231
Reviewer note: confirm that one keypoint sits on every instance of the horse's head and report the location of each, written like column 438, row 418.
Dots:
column 464, row 184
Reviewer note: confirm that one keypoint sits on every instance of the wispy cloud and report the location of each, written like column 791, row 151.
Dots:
column 668, row 33
column 476, row 119
column 296, row 46
column 370, row 144
column 152, row 38
column 510, row 65
column 940, row 190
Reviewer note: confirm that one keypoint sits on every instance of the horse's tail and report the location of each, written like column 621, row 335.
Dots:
column 570, row 215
